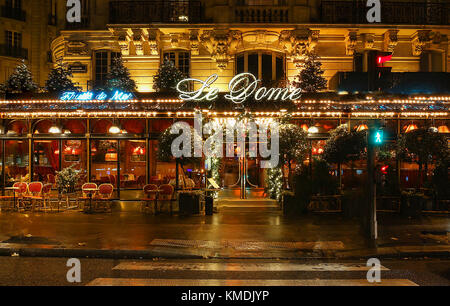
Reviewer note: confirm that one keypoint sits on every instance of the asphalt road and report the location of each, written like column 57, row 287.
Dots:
column 29, row 271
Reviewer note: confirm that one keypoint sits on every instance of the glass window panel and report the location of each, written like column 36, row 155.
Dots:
column 266, row 67
column 45, row 159
column 253, row 64
column 16, row 161
column 104, row 155
column 74, row 155
column 132, row 164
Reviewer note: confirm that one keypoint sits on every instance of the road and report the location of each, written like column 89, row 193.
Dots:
column 32, row 271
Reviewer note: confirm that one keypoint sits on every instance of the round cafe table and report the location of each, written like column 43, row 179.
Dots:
column 14, row 189
column 90, row 192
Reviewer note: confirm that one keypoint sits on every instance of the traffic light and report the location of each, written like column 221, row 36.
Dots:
column 384, row 169
column 377, row 137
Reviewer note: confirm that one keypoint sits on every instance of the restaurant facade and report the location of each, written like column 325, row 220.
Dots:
column 115, row 140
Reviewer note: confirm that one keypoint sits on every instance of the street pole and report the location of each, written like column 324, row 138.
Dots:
column 372, row 206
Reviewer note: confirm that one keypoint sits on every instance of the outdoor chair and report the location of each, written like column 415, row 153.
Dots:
column 51, row 179
column 21, row 193
column 166, row 196
column 141, row 181
column 151, row 195
column 46, row 190
column 34, row 193
column 104, row 196
column 85, row 196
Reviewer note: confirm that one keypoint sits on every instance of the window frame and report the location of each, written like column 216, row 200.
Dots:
column 109, row 58
column 260, row 54
column 177, row 53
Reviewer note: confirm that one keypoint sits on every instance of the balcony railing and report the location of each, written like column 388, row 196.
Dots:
column 136, row 12
column 414, row 13
column 6, row 50
column 261, row 14
column 13, row 13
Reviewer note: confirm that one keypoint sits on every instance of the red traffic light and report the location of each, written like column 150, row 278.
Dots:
column 384, row 169
column 383, row 57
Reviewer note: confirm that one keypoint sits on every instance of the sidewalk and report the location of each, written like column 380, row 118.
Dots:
column 227, row 234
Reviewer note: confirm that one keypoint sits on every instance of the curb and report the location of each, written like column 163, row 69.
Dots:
column 382, row 253
column 94, row 253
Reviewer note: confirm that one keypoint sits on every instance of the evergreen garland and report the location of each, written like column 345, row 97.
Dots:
column 118, row 77
column 274, row 181
column 21, row 80
column 168, row 77
column 311, row 77
column 59, row 79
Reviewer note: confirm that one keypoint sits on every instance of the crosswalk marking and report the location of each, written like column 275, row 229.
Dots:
column 245, row 267
column 245, row 282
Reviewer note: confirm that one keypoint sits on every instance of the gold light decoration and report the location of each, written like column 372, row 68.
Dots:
column 362, row 127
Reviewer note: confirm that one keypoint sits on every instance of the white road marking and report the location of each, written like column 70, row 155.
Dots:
column 246, row 267
column 245, row 282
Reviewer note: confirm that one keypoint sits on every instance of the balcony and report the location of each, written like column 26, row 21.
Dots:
column 261, row 14
column 141, row 12
column 13, row 13
column 414, row 13
column 6, row 50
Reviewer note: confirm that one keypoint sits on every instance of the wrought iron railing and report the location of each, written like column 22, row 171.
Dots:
column 261, row 14
column 136, row 12
column 11, row 51
column 416, row 13
column 13, row 13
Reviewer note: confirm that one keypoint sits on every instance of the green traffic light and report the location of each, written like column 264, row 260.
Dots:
column 378, row 137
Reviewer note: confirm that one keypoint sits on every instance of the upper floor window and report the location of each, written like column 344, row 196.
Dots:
column 13, row 40
column 267, row 66
column 432, row 61
column 102, row 63
column 181, row 59
column 16, row 4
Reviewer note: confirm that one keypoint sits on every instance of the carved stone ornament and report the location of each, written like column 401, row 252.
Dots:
column 351, row 40
column 368, row 40
column 194, row 41
column 390, row 40
column 138, row 41
column 420, row 41
column 124, row 42
column 153, row 38
column 221, row 44
column 76, row 48
column 298, row 43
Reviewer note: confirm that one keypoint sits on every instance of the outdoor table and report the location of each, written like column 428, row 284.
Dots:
column 90, row 192
column 14, row 194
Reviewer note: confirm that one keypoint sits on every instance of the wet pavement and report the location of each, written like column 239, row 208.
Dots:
column 231, row 233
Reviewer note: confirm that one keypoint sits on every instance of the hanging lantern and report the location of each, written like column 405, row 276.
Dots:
column 54, row 129
column 443, row 129
column 362, row 127
column 304, row 127
column 114, row 129
column 411, row 127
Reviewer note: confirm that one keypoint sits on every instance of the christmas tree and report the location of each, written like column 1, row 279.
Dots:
column 311, row 77
column 118, row 77
column 21, row 80
column 59, row 79
column 168, row 77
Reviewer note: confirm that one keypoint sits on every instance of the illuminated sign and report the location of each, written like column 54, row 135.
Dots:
column 241, row 88
column 100, row 96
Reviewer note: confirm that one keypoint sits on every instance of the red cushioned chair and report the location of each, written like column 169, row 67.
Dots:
column 34, row 193
column 151, row 195
column 165, row 195
column 104, row 196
